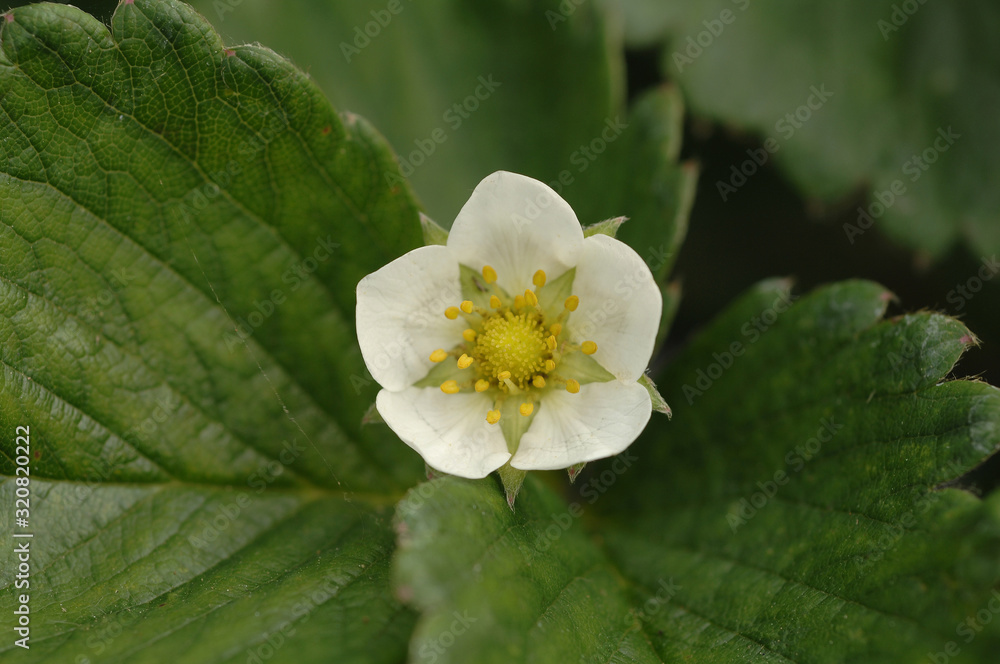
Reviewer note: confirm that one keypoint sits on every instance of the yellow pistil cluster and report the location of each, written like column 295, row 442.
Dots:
column 512, row 348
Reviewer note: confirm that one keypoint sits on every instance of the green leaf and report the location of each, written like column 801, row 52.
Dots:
column 836, row 427
column 795, row 488
column 182, row 227
column 555, row 109
column 870, row 98
column 498, row 586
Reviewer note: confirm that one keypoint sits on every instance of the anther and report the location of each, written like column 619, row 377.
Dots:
column 451, row 313
column 531, row 298
column 550, row 365
column 526, row 408
column 469, row 335
column 495, row 302
column 489, row 274
column 482, row 385
column 556, row 329
column 465, row 361
column 572, row 302
column 519, row 302
column 588, row 347
column 539, row 278
column 466, row 306
column 439, row 355
column 493, row 416
column 503, row 375
column 551, row 341
column 572, row 386
column 449, row 387
column 538, row 381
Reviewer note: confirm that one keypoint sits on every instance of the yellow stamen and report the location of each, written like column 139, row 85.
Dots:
column 490, row 275
column 550, row 365
column 539, row 278
column 503, row 375
column 526, row 408
column 466, row 306
column 465, row 361
column 439, row 355
column 519, row 302
column 551, row 341
column 493, row 416
column 449, row 387
column 572, row 302
column 531, row 298
column 451, row 313
column 495, row 302
column 556, row 330
column 482, row 385
column 469, row 335
column 572, row 386
column 538, row 381
column 588, row 347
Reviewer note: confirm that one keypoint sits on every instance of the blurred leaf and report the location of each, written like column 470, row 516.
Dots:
column 550, row 103
column 182, row 227
column 901, row 76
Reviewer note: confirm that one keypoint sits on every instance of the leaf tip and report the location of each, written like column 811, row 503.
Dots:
column 8, row 17
column 574, row 471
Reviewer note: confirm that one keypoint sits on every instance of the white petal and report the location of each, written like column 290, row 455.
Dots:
column 620, row 306
column 601, row 421
column 449, row 431
column 400, row 315
column 518, row 225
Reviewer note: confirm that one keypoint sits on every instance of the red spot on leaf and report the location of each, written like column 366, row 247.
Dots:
column 8, row 18
column 127, row 2
column 38, row 455
column 230, row 52
column 966, row 340
column 326, row 130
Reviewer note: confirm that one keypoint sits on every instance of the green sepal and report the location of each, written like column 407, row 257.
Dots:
column 433, row 473
column 553, row 294
column 659, row 403
column 372, row 416
column 433, row 233
column 607, row 227
column 447, row 369
column 512, row 479
column 583, row 369
column 574, row 471
column 513, row 423
column 475, row 288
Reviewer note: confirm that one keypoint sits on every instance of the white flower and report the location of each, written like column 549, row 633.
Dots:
column 519, row 340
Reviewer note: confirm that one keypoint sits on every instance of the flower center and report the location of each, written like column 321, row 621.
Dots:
column 514, row 343
column 514, row 346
